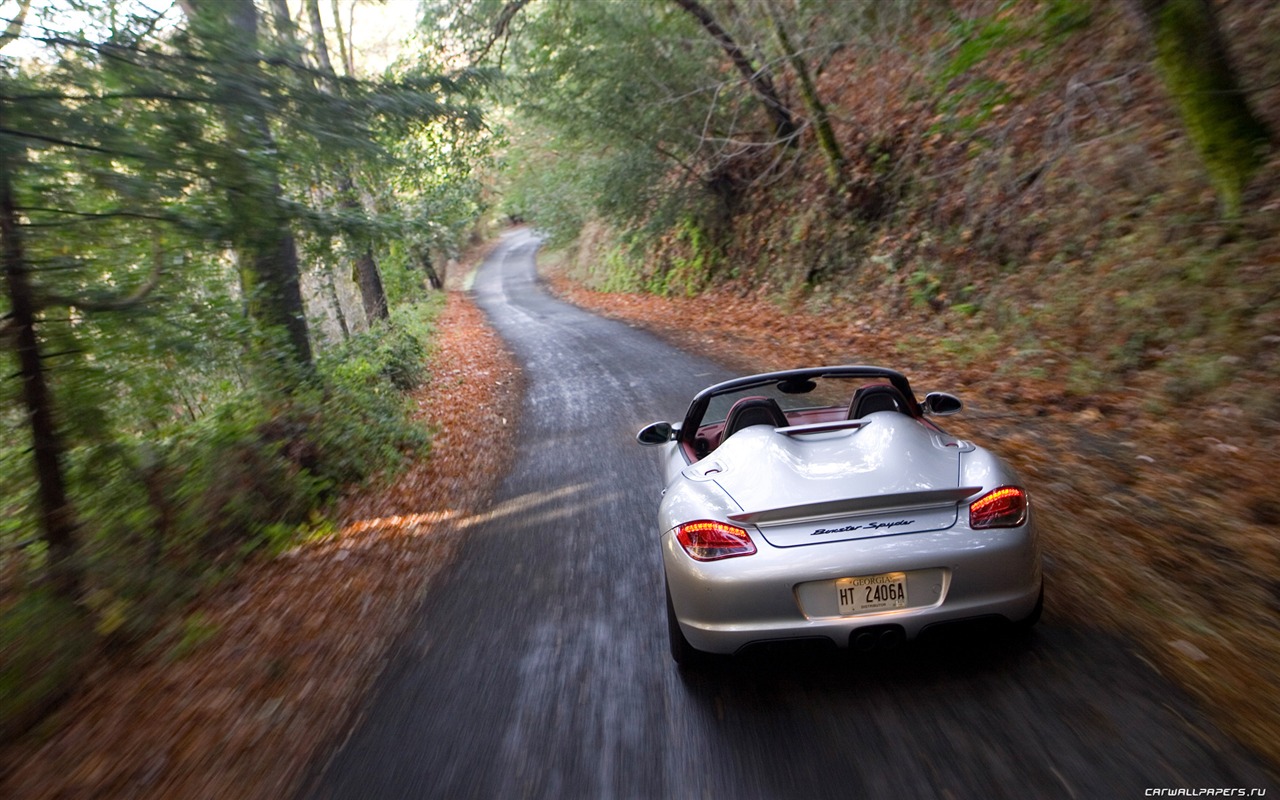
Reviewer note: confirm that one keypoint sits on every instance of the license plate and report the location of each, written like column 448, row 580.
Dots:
column 872, row 592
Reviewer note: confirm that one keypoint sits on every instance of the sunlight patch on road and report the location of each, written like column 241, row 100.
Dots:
column 534, row 506
column 399, row 521
column 530, row 504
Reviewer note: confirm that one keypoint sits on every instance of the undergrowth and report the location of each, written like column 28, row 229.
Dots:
column 1041, row 192
column 172, row 511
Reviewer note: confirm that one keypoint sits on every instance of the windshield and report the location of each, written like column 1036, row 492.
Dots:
column 792, row 395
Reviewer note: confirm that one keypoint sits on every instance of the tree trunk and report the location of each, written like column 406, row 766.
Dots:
column 760, row 79
column 57, row 519
column 365, row 270
column 317, row 36
column 433, row 277
column 372, row 294
column 1192, row 58
column 344, row 46
column 281, row 21
column 273, row 287
column 826, row 136
column 331, row 287
column 268, row 253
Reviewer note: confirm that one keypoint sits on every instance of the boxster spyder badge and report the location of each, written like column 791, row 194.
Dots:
column 872, row 525
column 825, row 503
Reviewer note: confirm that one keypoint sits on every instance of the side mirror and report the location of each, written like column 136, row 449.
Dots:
column 941, row 404
column 656, row 433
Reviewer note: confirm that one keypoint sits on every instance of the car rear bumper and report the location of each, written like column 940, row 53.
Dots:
column 789, row 593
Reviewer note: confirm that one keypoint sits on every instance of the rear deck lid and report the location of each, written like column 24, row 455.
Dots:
column 891, row 475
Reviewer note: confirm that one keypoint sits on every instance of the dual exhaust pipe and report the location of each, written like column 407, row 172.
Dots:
column 876, row 637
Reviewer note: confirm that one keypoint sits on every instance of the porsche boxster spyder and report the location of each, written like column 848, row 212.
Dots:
column 826, row 504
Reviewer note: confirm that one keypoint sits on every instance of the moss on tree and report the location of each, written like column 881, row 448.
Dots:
column 1193, row 61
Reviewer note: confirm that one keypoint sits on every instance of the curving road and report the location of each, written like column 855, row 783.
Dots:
column 539, row 666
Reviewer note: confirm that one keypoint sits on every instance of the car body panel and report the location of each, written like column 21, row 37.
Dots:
column 884, row 463
column 891, row 454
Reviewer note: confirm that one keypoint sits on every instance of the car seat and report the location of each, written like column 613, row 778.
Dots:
column 876, row 397
column 753, row 411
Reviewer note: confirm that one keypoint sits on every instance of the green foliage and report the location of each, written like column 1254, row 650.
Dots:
column 609, row 266
column 170, row 509
column 614, row 104
column 386, row 356
column 1195, row 375
column 140, row 154
column 44, row 642
column 17, row 522
column 1061, row 18
column 1084, row 378
column 978, row 347
column 196, row 630
column 966, row 95
column 548, row 189
column 423, row 197
column 978, row 38
column 692, row 262
column 924, row 288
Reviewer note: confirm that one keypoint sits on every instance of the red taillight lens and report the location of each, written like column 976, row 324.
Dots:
column 705, row 540
column 1005, row 507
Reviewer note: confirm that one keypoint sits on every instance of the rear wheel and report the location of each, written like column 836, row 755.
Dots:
column 683, row 653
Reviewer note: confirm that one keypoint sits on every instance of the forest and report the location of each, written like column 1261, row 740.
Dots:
column 226, row 232
column 220, row 241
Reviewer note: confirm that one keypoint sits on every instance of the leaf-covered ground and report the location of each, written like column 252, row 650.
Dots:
column 277, row 662
column 1162, row 527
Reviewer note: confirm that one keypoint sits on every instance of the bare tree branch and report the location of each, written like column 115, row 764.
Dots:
column 15, row 23
column 500, row 26
column 760, row 79
column 67, row 143
column 90, row 98
column 85, row 216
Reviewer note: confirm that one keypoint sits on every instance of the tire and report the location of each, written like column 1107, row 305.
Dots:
column 684, row 654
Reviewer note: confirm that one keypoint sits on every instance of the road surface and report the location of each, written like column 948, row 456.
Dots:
column 539, row 667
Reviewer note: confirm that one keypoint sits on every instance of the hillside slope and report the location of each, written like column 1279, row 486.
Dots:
column 1048, row 246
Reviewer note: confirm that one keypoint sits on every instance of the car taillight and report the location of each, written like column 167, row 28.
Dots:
column 1005, row 507
column 706, row 540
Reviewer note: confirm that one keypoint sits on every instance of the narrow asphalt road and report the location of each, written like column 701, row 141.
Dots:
column 539, row 669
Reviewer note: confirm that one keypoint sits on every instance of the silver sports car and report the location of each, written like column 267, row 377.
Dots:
column 825, row 504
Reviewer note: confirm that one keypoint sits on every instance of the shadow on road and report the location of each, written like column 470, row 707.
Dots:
column 973, row 711
column 972, row 649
